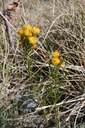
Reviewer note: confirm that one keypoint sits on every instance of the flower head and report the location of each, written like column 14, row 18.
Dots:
column 56, row 61
column 56, row 54
column 27, row 27
column 27, row 33
column 20, row 32
column 35, row 30
column 32, row 40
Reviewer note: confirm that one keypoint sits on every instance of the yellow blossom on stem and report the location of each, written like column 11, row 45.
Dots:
column 20, row 32
column 32, row 40
column 27, row 27
column 35, row 30
column 56, row 61
column 27, row 33
column 56, row 54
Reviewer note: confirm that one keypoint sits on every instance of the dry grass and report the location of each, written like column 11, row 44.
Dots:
column 63, row 28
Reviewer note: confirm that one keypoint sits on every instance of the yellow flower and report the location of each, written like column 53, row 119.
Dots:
column 35, row 30
column 56, row 61
column 27, row 33
column 32, row 40
column 20, row 32
column 56, row 54
column 27, row 27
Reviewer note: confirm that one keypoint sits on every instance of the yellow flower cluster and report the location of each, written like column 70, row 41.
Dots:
column 29, row 33
column 56, row 58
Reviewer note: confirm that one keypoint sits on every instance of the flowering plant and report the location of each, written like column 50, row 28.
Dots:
column 56, row 59
column 28, row 34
